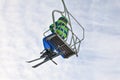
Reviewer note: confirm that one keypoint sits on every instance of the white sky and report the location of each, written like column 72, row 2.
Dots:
column 22, row 23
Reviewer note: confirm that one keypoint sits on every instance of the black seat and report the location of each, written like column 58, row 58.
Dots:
column 60, row 45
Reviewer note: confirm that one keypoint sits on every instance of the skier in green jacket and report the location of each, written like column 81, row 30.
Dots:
column 61, row 29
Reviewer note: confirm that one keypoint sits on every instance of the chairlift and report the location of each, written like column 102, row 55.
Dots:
column 68, row 47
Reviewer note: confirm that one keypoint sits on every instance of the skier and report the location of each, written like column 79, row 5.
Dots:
column 61, row 29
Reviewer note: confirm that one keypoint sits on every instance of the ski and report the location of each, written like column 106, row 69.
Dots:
column 33, row 60
column 39, row 64
column 45, row 60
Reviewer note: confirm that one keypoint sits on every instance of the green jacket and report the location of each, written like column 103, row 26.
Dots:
column 61, row 29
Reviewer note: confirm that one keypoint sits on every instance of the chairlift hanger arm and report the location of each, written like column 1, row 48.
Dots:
column 65, row 8
column 69, row 14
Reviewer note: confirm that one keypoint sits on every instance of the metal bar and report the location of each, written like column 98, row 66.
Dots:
column 65, row 8
column 79, row 25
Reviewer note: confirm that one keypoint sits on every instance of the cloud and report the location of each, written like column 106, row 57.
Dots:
column 23, row 23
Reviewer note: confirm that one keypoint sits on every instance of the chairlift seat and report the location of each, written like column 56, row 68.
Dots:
column 60, row 45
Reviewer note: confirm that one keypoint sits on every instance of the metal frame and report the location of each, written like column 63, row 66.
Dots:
column 74, row 40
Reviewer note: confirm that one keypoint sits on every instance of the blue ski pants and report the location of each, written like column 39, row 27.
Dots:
column 48, row 45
